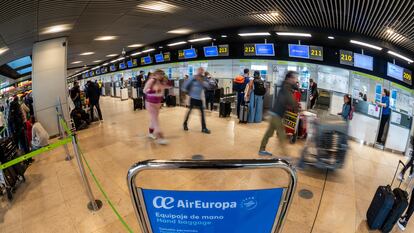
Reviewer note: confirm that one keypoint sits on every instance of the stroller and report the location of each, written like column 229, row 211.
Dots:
column 327, row 143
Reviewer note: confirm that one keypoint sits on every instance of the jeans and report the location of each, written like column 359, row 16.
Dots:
column 98, row 108
column 209, row 99
column 275, row 124
column 384, row 121
column 199, row 104
column 240, row 101
column 256, row 109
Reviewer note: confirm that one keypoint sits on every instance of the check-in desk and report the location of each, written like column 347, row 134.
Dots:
column 398, row 131
column 365, row 122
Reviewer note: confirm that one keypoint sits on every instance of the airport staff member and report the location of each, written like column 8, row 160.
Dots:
column 386, row 112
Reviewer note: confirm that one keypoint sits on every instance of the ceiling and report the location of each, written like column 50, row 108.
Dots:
column 133, row 22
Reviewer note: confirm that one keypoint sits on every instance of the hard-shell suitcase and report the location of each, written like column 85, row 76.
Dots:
column 400, row 204
column 138, row 103
column 225, row 109
column 244, row 113
column 171, row 101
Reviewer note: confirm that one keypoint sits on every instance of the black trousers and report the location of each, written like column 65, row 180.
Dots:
column 209, row 99
column 384, row 121
column 312, row 102
column 410, row 209
column 410, row 165
column 199, row 105
column 98, row 108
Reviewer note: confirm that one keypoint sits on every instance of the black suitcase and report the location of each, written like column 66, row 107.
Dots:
column 138, row 103
column 244, row 113
column 400, row 204
column 225, row 109
column 171, row 101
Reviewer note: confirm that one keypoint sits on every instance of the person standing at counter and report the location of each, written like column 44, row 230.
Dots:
column 386, row 112
column 255, row 95
column 209, row 92
column 346, row 108
column 239, row 85
column 314, row 94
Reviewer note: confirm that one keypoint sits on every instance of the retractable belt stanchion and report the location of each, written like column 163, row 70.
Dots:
column 62, row 135
column 211, row 203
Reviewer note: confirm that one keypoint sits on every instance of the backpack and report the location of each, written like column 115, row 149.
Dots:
column 259, row 87
column 239, row 79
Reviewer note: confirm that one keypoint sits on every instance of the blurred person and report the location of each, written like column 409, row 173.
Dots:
column 17, row 125
column 386, row 112
column 29, row 126
column 40, row 137
column 409, row 165
column 296, row 93
column 346, row 108
column 2, row 124
column 403, row 221
column 255, row 95
column 28, row 100
column 284, row 100
column 209, row 92
column 239, row 85
column 75, row 94
column 154, row 89
column 194, row 87
column 25, row 109
column 93, row 93
column 314, row 94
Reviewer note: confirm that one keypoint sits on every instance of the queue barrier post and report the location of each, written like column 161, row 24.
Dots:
column 62, row 135
column 94, row 204
column 152, row 207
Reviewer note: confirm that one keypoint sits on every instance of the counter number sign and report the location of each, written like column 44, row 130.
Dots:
column 223, row 50
column 346, row 57
column 167, row 56
column 316, row 53
column 407, row 77
column 180, row 54
column 249, row 50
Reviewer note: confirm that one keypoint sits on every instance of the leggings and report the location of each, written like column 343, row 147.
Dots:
column 154, row 112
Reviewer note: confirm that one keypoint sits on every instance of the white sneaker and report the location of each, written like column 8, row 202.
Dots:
column 152, row 136
column 162, row 141
column 400, row 177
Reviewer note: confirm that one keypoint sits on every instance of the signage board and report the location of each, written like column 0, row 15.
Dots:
column 223, row 50
column 190, row 53
column 265, row 49
column 299, row 51
column 346, row 57
column 316, row 52
column 167, row 56
column 363, row 61
column 211, row 51
column 159, row 58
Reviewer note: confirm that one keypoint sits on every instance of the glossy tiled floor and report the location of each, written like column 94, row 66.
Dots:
column 53, row 198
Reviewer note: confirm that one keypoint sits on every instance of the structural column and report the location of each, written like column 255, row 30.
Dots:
column 49, row 82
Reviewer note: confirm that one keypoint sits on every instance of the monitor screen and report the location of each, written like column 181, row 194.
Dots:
column 147, row 60
column 395, row 71
column 122, row 66
column 190, row 53
column 91, row 73
column 211, row 51
column 129, row 64
column 25, row 70
column 300, row 51
column 87, row 75
column 24, row 61
column 112, row 68
column 97, row 71
column 363, row 61
column 159, row 58
column 104, row 70
column 265, row 50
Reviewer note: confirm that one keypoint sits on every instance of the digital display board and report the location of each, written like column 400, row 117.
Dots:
column 129, row 64
column 299, row 51
column 97, row 71
column 265, row 49
column 190, row 53
column 112, row 68
column 223, row 50
column 104, row 70
column 159, row 58
column 91, row 73
column 346, row 57
column 87, row 75
column 363, row 61
column 134, row 62
column 399, row 73
column 407, row 76
column 167, row 56
column 180, row 54
column 211, row 51
column 249, row 50
column 316, row 52
column 122, row 66
column 147, row 60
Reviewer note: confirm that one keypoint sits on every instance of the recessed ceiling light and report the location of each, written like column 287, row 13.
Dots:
column 158, row 6
column 223, row 36
column 76, row 62
column 180, row 31
column 160, row 47
column 365, row 44
column 400, row 56
column 105, row 64
column 3, row 50
column 135, row 45
column 112, row 55
column 293, row 34
column 255, row 34
column 97, row 61
column 136, row 54
column 104, row 38
column 331, row 37
column 56, row 28
column 200, row 39
column 177, row 43
column 148, row 50
column 274, row 14
column 86, row 53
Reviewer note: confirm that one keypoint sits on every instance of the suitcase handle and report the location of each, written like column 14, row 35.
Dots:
column 396, row 171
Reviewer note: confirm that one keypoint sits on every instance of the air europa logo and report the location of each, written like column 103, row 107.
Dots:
column 168, row 203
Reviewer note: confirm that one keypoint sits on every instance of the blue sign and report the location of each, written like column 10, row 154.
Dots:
column 129, row 64
column 147, row 60
column 363, row 61
column 112, row 68
column 211, row 51
column 300, row 51
column 264, row 49
column 246, row 211
column 169, row 73
column 159, row 58
column 393, row 99
column 378, row 93
column 122, row 66
column 395, row 71
column 190, row 53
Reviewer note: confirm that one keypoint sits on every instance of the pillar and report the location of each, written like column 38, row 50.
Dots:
column 49, row 82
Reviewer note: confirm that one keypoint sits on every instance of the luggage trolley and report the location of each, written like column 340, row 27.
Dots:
column 210, row 203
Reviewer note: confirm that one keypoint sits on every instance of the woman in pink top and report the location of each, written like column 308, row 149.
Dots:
column 154, row 94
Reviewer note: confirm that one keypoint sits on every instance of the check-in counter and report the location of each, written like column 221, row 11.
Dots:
column 398, row 131
column 124, row 93
column 365, row 122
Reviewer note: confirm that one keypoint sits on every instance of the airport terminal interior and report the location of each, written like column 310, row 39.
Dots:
column 188, row 116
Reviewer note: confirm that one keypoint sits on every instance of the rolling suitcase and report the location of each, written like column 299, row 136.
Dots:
column 171, row 101
column 225, row 108
column 244, row 113
column 400, row 204
column 384, row 205
column 138, row 103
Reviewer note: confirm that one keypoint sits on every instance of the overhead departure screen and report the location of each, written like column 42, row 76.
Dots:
column 159, row 58
column 190, row 53
column 211, row 51
column 363, row 61
column 259, row 49
column 299, row 51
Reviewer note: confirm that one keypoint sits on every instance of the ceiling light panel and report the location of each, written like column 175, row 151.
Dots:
column 298, row 34
column 56, row 29
column 76, row 62
column 148, row 50
column 3, row 50
column 255, row 34
column 97, row 61
column 112, row 55
column 158, row 6
column 135, row 45
column 180, row 31
column 200, row 39
column 177, row 43
column 400, row 56
column 365, row 44
column 105, row 38
column 86, row 53
column 136, row 54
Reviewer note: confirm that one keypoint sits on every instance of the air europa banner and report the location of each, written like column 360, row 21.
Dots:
column 243, row 211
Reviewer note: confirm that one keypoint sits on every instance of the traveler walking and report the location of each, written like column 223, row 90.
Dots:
column 194, row 87
column 255, row 95
column 154, row 92
column 284, row 100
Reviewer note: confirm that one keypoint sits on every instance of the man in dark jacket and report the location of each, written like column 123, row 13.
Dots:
column 16, row 124
column 284, row 101
column 75, row 95
column 93, row 93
